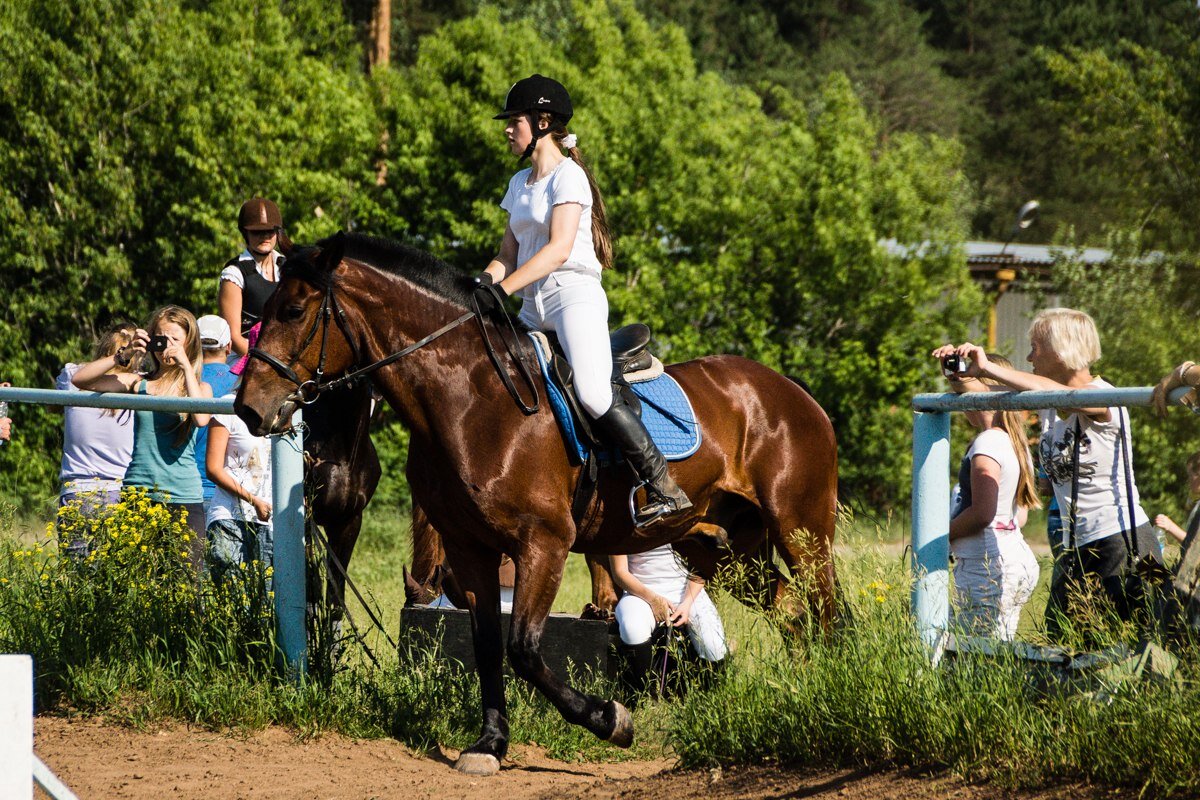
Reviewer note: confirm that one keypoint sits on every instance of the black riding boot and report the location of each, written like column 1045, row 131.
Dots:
column 636, row 671
column 621, row 427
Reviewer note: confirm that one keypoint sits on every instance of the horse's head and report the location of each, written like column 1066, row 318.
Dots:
column 299, row 340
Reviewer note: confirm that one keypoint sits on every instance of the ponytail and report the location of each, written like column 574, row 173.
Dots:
column 601, row 238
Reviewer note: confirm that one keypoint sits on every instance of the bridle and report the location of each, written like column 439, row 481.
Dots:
column 308, row 391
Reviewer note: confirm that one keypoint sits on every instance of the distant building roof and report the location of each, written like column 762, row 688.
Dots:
column 1030, row 254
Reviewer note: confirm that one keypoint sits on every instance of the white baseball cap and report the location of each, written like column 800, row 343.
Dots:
column 214, row 332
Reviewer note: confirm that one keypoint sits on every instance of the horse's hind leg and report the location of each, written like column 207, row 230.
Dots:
column 539, row 573
column 477, row 569
column 803, row 537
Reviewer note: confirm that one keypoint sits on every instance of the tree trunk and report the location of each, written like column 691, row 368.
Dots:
column 381, row 35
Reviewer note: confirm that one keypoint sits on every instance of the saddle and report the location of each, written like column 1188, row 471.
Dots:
column 632, row 363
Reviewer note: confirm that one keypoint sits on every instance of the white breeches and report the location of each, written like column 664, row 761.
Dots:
column 636, row 621
column 989, row 592
column 575, row 307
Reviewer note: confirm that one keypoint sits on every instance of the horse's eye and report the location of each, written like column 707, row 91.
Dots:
column 293, row 312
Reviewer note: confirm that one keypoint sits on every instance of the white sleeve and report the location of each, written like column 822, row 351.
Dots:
column 994, row 444
column 570, row 185
column 63, row 381
column 234, row 276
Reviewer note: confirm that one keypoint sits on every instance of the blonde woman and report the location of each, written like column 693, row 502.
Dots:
column 1101, row 511
column 166, row 360
column 995, row 572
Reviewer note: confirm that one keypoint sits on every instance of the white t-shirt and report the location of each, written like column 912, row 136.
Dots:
column 248, row 460
column 234, row 275
column 529, row 209
column 659, row 569
column 97, row 443
column 996, row 445
column 1103, row 505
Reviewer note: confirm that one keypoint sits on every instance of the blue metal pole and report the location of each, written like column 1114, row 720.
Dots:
column 931, row 524
column 139, row 402
column 287, row 479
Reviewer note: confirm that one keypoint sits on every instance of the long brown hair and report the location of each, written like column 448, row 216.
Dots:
column 1013, row 423
column 601, row 237
column 170, row 376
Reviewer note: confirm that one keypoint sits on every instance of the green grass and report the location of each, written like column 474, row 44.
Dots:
column 865, row 695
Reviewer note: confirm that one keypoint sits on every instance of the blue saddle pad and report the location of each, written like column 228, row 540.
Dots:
column 666, row 412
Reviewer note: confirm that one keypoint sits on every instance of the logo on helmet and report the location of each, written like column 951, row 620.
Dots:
column 542, row 100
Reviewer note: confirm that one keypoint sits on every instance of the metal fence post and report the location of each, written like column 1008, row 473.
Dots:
column 287, row 485
column 931, row 524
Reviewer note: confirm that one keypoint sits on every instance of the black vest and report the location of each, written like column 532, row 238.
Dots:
column 255, row 290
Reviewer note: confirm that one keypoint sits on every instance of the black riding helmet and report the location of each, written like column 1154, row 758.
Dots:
column 533, row 95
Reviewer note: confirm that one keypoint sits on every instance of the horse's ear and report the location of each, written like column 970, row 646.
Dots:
column 331, row 252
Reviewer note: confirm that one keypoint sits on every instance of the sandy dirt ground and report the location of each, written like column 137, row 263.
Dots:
column 97, row 760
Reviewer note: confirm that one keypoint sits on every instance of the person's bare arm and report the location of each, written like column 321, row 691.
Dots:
column 505, row 261
column 629, row 583
column 682, row 613
column 1168, row 525
column 985, row 491
column 982, row 367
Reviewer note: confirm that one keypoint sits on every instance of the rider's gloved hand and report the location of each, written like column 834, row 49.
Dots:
column 488, row 296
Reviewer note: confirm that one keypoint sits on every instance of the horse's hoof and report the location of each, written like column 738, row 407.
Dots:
column 622, row 733
column 478, row 764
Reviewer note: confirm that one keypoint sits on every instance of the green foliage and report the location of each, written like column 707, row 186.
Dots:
column 1134, row 119
column 134, row 595
column 868, row 694
column 130, row 132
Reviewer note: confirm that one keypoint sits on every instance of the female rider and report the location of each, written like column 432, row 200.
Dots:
column 248, row 280
column 554, row 247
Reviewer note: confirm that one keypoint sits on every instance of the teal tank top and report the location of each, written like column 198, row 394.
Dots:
column 168, row 470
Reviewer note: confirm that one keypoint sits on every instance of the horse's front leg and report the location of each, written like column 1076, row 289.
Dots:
column 539, row 572
column 477, row 569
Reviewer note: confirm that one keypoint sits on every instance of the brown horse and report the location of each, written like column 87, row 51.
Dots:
column 494, row 479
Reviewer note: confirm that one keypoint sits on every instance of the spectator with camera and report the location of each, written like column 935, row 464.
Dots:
column 97, row 442
column 1087, row 455
column 215, row 344
column 165, row 360
column 249, row 279
column 995, row 572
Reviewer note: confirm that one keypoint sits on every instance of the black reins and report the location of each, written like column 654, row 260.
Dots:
column 308, row 391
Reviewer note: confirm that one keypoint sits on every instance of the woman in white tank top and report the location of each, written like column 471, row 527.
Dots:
column 995, row 571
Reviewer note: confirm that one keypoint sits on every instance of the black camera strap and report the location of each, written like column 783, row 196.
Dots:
column 1131, row 539
column 1074, row 480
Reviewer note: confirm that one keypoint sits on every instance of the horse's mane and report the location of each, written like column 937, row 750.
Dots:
column 413, row 264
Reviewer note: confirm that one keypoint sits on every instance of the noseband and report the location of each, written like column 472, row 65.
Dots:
column 308, row 391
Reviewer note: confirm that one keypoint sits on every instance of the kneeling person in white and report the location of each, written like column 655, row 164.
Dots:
column 239, row 527
column 657, row 589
